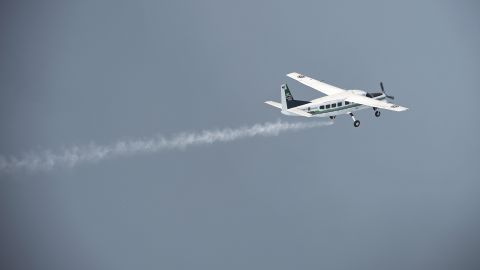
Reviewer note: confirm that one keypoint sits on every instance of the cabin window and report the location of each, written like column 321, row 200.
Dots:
column 346, row 102
column 308, row 108
column 322, row 107
column 334, row 105
column 339, row 104
column 328, row 106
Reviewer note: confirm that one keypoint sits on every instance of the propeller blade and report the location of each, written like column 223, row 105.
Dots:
column 383, row 90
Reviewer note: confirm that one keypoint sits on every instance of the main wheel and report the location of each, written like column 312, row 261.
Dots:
column 356, row 123
column 377, row 113
column 332, row 117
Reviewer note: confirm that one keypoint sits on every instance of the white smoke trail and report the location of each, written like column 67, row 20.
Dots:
column 75, row 155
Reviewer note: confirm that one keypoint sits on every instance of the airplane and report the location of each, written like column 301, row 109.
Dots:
column 337, row 101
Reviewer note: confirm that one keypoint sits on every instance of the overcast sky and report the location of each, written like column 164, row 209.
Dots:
column 400, row 192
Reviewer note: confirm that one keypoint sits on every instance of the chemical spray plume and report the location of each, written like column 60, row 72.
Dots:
column 75, row 155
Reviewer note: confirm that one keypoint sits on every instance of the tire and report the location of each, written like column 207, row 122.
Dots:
column 356, row 123
column 377, row 113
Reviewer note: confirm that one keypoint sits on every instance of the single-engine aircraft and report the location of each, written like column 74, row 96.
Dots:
column 336, row 102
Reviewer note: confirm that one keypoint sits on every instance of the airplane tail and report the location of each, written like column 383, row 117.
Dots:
column 287, row 98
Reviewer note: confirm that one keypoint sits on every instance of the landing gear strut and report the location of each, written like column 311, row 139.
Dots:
column 377, row 112
column 356, row 123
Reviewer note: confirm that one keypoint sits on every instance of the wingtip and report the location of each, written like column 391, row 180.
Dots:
column 296, row 75
column 292, row 74
column 401, row 109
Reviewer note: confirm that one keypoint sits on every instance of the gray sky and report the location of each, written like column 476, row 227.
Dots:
column 400, row 192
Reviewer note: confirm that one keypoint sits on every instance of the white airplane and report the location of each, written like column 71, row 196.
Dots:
column 336, row 102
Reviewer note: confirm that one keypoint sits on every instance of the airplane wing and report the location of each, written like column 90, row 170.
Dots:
column 299, row 112
column 325, row 88
column 274, row 104
column 375, row 103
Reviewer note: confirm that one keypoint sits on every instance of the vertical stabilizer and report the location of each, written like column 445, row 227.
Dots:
column 286, row 95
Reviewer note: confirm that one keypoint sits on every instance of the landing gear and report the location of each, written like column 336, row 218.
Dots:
column 377, row 113
column 332, row 117
column 356, row 123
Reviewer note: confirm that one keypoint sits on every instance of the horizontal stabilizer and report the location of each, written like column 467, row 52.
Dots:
column 274, row 104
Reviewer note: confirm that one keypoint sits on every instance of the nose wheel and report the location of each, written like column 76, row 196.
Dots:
column 377, row 113
column 356, row 123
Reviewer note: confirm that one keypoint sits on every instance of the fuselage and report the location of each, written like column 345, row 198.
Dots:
column 336, row 104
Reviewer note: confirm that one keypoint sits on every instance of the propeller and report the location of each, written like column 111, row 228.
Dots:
column 383, row 90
